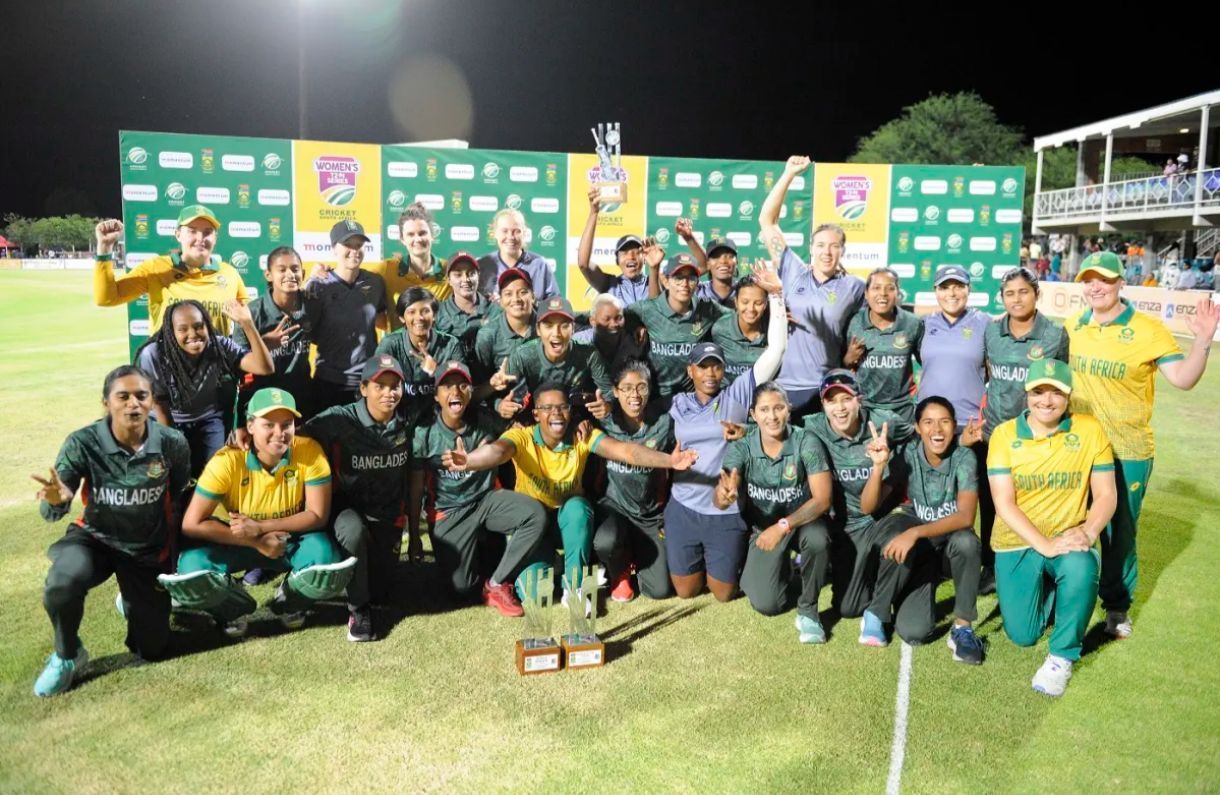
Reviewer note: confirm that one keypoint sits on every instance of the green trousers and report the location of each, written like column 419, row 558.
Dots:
column 1118, row 563
column 1033, row 590
column 569, row 527
column 301, row 551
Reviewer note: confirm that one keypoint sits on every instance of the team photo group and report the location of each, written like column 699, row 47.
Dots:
column 770, row 429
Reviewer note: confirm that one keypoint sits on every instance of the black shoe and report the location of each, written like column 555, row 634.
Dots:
column 360, row 625
column 987, row 581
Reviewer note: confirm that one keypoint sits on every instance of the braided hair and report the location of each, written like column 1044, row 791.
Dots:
column 179, row 374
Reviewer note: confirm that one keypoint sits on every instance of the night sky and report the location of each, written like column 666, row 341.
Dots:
column 710, row 79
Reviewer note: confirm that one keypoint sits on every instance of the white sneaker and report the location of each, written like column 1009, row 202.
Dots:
column 1118, row 624
column 237, row 628
column 1052, row 678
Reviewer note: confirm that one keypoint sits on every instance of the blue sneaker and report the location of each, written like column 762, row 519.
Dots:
column 810, row 629
column 966, row 646
column 872, row 632
column 59, row 673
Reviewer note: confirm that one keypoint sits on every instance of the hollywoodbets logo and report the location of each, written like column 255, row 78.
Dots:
column 337, row 179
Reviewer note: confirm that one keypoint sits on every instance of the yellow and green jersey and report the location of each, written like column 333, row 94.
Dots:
column 1050, row 474
column 167, row 281
column 398, row 277
column 1114, row 374
column 238, row 480
column 550, row 476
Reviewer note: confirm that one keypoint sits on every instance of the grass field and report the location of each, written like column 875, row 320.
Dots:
column 697, row 697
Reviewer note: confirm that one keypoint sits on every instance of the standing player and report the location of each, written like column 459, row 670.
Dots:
column 193, row 271
column 1116, row 353
column 884, row 340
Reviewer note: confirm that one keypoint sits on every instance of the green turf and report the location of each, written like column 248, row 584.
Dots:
column 698, row 696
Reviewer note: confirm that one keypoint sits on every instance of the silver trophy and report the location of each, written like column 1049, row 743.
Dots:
column 608, row 175
column 537, row 651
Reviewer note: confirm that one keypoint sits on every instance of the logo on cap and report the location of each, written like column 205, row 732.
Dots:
column 554, row 303
column 1050, row 368
column 276, row 396
column 386, row 361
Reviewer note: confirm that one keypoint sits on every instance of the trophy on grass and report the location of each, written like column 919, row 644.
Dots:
column 581, row 646
column 608, row 175
column 537, row 651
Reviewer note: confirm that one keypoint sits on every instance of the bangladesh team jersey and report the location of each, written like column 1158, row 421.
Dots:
column 126, row 496
column 637, row 492
column 740, row 352
column 368, row 458
column 886, row 374
column 772, row 488
column 850, row 465
column 166, row 281
column 1009, row 358
column 1050, row 475
column 933, row 490
column 672, row 336
column 447, row 490
column 238, row 480
column 550, row 476
column 291, row 359
column 419, row 385
column 581, row 368
column 1114, row 374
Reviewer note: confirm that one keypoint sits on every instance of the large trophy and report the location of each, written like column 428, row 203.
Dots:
column 581, row 646
column 537, row 651
column 608, row 175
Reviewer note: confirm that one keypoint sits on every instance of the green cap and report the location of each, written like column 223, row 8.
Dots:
column 1049, row 371
column 265, row 401
column 1104, row 263
column 193, row 211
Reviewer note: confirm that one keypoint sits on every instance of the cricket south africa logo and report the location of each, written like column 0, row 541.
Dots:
column 851, row 196
column 337, row 179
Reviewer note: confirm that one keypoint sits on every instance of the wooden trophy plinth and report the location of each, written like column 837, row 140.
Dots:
column 583, row 651
column 538, row 656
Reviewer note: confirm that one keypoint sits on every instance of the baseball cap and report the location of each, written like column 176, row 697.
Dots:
column 195, row 211
column 717, row 243
column 345, row 230
column 381, row 363
column 626, row 242
column 951, row 273
column 1050, row 371
column 556, row 306
column 511, row 274
column 678, row 262
column 462, row 257
column 265, row 401
column 450, row 367
column 1105, row 264
column 704, row 351
column 839, row 379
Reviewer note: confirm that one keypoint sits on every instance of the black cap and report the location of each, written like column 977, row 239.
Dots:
column 627, row 241
column 453, row 367
column 345, row 230
column 513, row 273
column 460, row 257
column 717, row 243
column 556, row 306
column 381, row 363
column 679, row 261
column 704, row 351
column 839, row 379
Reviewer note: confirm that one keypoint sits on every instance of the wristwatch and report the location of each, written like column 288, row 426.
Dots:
column 784, row 525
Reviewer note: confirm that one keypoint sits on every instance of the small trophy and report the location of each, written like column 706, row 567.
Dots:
column 581, row 646
column 608, row 175
column 537, row 651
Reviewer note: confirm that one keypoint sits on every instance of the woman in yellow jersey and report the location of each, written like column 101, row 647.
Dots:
column 276, row 499
column 550, row 462
column 1116, row 353
column 419, row 267
column 193, row 271
column 1052, row 480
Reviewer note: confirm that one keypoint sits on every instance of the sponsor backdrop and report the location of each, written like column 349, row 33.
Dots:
column 272, row 192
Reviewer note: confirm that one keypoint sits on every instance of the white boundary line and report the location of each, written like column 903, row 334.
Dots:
column 901, row 704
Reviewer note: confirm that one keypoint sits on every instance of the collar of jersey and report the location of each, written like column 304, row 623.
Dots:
column 366, row 419
column 152, row 438
column 213, row 263
column 943, row 467
column 1035, row 332
column 254, row 465
column 1123, row 319
column 868, row 320
column 1026, row 432
column 756, row 448
column 564, row 444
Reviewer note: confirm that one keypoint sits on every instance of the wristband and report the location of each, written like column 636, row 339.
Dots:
column 104, row 257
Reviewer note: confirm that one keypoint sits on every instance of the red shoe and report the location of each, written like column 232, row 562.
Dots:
column 502, row 598
column 622, row 591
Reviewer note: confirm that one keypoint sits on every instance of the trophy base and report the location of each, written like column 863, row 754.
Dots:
column 538, row 656
column 583, row 651
column 612, row 192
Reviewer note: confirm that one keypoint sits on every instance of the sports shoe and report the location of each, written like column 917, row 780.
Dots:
column 809, row 629
column 623, row 592
column 258, row 577
column 1052, row 678
column 1118, row 624
column 966, row 646
column 237, row 628
column 588, row 602
column 120, row 605
column 59, row 673
column 872, row 632
column 360, row 625
column 502, row 598
column 291, row 619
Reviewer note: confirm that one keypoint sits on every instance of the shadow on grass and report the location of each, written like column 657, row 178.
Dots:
column 619, row 639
